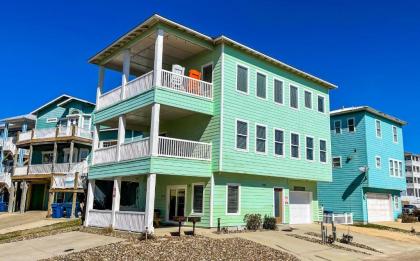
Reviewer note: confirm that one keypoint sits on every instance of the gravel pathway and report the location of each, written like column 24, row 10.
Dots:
column 184, row 248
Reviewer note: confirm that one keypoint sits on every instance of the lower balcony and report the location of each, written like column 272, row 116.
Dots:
column 50, row 168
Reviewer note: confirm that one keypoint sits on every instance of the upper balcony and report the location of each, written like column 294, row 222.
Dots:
column 9, row 144
column 54, row 134
column 162, row 66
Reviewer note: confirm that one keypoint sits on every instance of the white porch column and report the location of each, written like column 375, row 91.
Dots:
column 89, row 200
column 121, row 135
column 116, row 196
column 154, row 129
column 150, row 203
column 99, row 88
column 95, row 142
column 126, row 71
column 158, row 57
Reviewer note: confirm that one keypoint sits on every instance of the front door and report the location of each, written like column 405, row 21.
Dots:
column 176, row 204
column 278, row 205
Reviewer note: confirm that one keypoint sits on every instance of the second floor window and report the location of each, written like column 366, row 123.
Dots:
column 294, row 145
column 309, row 148
column 395, row 168
column 278, row 91
column 351, row 125
column 378, row 162
column 395, row 134
column 378, row 129
column 261, row 85
column 321, row 104
column 241, row 135
column 294, row 98
column 337, row 127
column 308, row 99
column 323, row 151
column 336, row 162
column 279, row 142
column 242, row 79
column 261, row 138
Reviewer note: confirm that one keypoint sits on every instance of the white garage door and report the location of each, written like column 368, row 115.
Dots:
column 379, row 207
column 300, row 207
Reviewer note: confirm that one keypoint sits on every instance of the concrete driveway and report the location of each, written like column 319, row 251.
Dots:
column 31, row 219
column 46, row 247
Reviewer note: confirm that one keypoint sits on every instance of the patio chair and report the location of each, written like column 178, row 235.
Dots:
column 176, row 81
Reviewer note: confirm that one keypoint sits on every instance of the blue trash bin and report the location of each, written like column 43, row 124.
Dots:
column 3, row 206
column 57, row 210
column 68, row 209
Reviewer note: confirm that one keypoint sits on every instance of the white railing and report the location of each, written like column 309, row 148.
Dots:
column 20, row 171
column 341, row 218
column 5, row 178
column 64, row 131
column 186, row 84
column 25, row 136
column 44, row 133
column 170, row 147
column 106, row 155
column 139, row 85
column 40, row 168
column 135, row 149
column 100, row 218
column 9, row 144
column 129, row 220
column 61, row 167
column 84, row 133
column 109, row 98
column 67, row 181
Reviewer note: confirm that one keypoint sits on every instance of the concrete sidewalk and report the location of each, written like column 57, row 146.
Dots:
column 46, row 247
column 31, row 219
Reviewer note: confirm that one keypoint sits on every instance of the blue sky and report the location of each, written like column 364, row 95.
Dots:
column 370, row 50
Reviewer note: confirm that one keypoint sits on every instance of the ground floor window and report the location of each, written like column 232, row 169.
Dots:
column 298, row 188
column 198, row 197
column 103, row 194
column 233, row 196
column 396, row 202
column 129, row 200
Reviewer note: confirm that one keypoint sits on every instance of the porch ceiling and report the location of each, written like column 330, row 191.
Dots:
column 175, row 50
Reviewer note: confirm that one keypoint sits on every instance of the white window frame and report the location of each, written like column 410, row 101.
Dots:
column 376, row 162
column 395, row 134
column 341, row 162
column 354, row 124
column 396, row 168
column 47, row 152
column 51, row 120
column 380, row 129
column 247, row 79
column 212, row 69
column 335, row 130
column 83, row 121
column 396, row 202
column 313, row 148
column 247, row 135
column 192, row 199
column 312, row 99
column 282, row 91
column 324, row 105
column 256, row 85
column 291, row 151
column 265, row 141
column 326, row 151
column 290, row 95
column 275, row 142
column 239, row 199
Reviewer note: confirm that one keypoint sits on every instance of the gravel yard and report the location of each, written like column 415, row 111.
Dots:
column 184, row 248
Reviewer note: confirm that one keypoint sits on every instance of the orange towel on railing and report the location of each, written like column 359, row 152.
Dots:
column 194, row 86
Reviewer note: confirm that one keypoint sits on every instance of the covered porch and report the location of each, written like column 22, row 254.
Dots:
column 141, row 203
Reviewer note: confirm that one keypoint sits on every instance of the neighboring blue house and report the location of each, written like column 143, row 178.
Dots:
column 368, row 165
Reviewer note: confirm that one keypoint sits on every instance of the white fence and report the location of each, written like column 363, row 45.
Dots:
column 129, row 220
column 106, row 155
column 187, row 149
column 5, row 178
column 139, row 85
column 25, row 136
column 187, row 84
column 40, row 169
column 64, row 131
column 67, row 181
column 135, row 149
column 109, row 98
column 9, row 144
column 44, row 133
column 100, row 218
column 341, row 218
column 20, row 171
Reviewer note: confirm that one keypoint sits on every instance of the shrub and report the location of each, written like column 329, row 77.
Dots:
column 269, row 223
column 253, row 221
column 408, row 219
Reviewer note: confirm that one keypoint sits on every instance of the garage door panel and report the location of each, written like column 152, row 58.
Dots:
column 300, row 207
column 379, row 207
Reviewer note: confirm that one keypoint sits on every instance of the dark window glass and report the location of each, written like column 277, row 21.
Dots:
column 198, row 198
column 261, row 85
column 242, row 79
column 233, row 199
column 278, row 91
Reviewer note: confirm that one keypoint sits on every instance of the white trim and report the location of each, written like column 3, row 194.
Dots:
column 274, row 142
column 239, row 199
column 399, row 165
column 354, row 123
column 256, row 85
column 282, row 90
column 247, row 78
column 176, row 187
column 393, row 134
column 380, row 161
column 304, row 99
column 211, row 199
column 326, row 151
column 297, row 95
column 376, row 128
column 341, row 162
column 283, row 212
column 222, row 76
column 313, row 148
column 266, row 139
column 192, row 199
column 299, row 146
column 325, row 103
column 63, row 102
column 341, row 130
column 52, row 120
column 247, row 135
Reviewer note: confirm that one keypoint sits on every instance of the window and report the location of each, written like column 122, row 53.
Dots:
column 395, row 134
column 350, row 125
column 378, row 162
column 103, row 192
column 47, row 157
column 261, row 86
column 198, row 197
column 128, row 199
column 261, row 138
column 323, row 151
column 86, row 122
column 294, row 145
column 309, row 148
column 378, row 128
column 321, row 104
column 294, row 98
column 397, row 202
column 395, row 168
column 279, row 142
column 84, row 153
column 52, row 120
column 308, row 99
column 337, row 127
column 336, row 162
column 207, row 72
column 242, row 135
column 233, row 199
column 108, row 143
column 278, row 91
column 242, row 79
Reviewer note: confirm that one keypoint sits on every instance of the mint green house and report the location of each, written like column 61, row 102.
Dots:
column 206, row 127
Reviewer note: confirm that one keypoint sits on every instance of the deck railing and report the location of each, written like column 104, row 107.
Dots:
column 170, row 147
column 40, row 168
column 59, row 132
column 109, row 98
column 129, row 221
column 44, row 133
column 187, row 84
column 20, row 171
column 106, row 155
column 139, row 85
column 23, row 136
column 5, row 178
column 135, row 149
column 8, row 144
column 100, row 218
